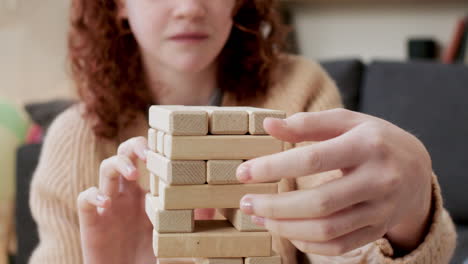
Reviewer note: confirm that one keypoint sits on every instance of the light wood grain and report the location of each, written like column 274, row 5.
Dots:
column 222, row 171
column 212, row 239
column 239, row 220
column 219, row 261
column 152, row 139
column 179, row 120
column 225, row 121
column 154, row 184
column 160, row 142
column 209, row 196
column 256, row 117
column 177, row 172
column 220, row 147
column 176, row 261
column 263, row 260
column 168, row 221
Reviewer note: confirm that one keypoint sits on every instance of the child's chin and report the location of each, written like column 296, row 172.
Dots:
column 192, row 65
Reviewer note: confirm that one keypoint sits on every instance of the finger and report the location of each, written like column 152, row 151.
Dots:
column 342, row 152
column 111, row 172
column 313, row 126
column 87, row 203
column 325, row 228
column 344, row 244
column 204, row 214
column 134, row 148
column 320, row 201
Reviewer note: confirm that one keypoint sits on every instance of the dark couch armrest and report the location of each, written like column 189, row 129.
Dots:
column 26, row 229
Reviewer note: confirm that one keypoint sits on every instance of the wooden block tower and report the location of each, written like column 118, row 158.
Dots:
column 195, row 152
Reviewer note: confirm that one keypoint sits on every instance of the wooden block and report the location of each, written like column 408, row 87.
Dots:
column 154, row 184
column 209, row 196
column 256, row 117
column 179, row 120
column 263, row 260
column 175, row 261
column 160, row 142
column 152, row 139
column 220, row 147
column 212, row 239
column 227, row 121
column 219, row 261
column 177, row 172
column 168, row 221
column 222, row 171
column 239, row 220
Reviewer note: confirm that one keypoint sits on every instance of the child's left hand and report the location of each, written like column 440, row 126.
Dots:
column 385, row 189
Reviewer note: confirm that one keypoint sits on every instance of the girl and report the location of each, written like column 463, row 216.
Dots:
column 372, row 199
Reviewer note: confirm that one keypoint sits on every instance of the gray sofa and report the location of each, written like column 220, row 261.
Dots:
column 428, row 99
column 431, row 101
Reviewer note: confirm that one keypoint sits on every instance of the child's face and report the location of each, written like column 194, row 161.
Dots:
column 184, row 35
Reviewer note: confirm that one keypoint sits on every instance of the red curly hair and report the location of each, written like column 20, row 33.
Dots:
column 107, row 68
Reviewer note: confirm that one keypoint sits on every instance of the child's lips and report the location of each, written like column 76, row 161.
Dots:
column 189, row 37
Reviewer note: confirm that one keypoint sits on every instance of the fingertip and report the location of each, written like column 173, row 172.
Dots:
column 246, row 205
column 258, row 220
column 273, row 125
column 129, row 171
column 133, row 176
column 243, row 172
column 103, row 201
column 280, row 129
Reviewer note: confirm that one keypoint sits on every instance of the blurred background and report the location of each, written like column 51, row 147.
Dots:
column 404, row 61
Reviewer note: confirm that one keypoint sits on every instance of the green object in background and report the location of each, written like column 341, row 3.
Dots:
column 11, row 118
column 13, row 129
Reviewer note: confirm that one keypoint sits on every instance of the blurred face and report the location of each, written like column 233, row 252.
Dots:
column 184, row 35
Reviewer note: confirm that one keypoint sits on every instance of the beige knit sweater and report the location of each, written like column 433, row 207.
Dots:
column 71, row 156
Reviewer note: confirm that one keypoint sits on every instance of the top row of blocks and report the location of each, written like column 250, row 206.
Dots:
column 181, row 120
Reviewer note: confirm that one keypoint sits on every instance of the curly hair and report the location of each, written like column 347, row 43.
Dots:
column 107, row 68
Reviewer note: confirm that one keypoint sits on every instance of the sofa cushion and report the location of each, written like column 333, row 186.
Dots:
column 43, row 113
column 347, row 75
column 430, row 101
column 26, row 229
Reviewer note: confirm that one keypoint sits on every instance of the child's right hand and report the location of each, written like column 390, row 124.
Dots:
column 113, row 224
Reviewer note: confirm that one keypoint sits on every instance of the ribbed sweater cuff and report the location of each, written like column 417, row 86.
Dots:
column 438, row 245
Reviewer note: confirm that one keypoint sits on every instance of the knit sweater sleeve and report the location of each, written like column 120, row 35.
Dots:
column 327, row 96
column 438, row 245
column 66, row 167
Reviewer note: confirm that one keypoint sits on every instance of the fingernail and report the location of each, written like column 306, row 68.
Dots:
column 243, row 173
column 246, row 205
column 258, row 220
column 142, row 154
column 100, row 210
column 130, row 169
column 102, row 198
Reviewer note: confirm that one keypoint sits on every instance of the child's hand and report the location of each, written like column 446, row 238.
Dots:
column 385, row 188
column 113, row 224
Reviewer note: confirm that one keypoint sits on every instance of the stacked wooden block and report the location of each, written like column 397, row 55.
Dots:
column 195, row 152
